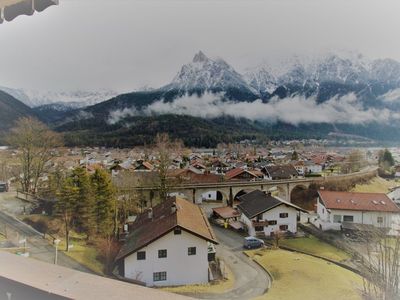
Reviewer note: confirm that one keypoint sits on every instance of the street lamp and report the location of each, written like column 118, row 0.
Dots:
column 56, row 242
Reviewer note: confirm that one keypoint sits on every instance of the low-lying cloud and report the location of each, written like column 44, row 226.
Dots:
column 391, row 96
column 294, row 110
column 118, row 115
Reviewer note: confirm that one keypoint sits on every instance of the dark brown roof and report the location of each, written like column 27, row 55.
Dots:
column 281, row 172
column 358, row 201
column 187, row 216
column 257, row 202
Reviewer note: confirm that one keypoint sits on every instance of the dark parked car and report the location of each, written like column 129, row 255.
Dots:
column 251, row 242
column 3, row 187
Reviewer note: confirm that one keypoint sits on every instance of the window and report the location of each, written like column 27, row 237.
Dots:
column 141, row 255
column 177, row 231
column 162, row 253
column 272, row 222
column 380, row 220
column 258, row 228
column 337, row 219
column 159, row 276
column 192, row 251
column 283, row 227
column 283, row 215
column 348, row 218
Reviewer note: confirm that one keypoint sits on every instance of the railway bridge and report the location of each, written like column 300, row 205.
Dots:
column 229, row 190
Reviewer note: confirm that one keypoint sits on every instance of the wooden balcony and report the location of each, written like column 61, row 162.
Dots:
column 260, row 223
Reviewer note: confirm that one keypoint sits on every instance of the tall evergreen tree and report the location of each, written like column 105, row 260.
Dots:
column 295, row 155
column 386, row 159
column 105, row 202
column 84, row 220
column 66, row 206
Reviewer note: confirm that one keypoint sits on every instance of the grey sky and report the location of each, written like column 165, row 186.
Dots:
column 127, row 44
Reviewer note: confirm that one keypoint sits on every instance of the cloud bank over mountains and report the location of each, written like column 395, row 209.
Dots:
column 295, row 110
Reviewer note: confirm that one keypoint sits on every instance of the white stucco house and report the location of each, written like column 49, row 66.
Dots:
column 265, row 215
column 334, row 209
column 312, row 168
column 168, row 246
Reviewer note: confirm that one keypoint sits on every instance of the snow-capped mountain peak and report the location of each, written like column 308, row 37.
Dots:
column 200, row 57
column 75, row 99
column 207, row 74
column 261, row 79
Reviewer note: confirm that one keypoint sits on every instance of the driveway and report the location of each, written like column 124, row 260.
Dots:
column 38, row 247
column 250, row 279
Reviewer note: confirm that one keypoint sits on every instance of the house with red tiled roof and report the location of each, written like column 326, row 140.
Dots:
column 338, row 210
column 240, row 174
column 168, row 245
column 143, row 166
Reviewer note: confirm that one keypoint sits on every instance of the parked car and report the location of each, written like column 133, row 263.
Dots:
column 3, row 187
column 251, row 242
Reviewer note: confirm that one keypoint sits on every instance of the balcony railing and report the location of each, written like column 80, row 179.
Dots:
column 260, row 223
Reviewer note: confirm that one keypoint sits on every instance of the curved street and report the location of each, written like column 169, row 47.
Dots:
column 250, row 279
column 38, row 247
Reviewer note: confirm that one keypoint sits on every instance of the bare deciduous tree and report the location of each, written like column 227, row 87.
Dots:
column 382, row 259
column 108, row 248
column 35, row 143
column 165, row 148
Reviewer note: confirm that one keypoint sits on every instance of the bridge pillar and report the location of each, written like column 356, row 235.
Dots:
column 288, row 192
column 230, row 197
column 194, row 196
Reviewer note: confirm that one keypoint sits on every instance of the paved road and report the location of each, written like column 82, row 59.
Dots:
column 250, row 279
column 38, row 247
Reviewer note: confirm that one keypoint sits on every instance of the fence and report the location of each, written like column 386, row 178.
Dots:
column 18, row 240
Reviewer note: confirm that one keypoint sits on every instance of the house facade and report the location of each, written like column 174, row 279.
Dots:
column 168, row 246
column 337, row 208
column 165, row 261
column 265, row 215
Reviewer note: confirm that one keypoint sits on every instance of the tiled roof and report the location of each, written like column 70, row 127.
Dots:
column 187, row 216
column 226, row 212
column 281, row 171
column 358, row 201
column 257, row 202
column 235, row 172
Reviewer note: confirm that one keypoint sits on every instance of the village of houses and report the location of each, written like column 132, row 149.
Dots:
column 264, row 222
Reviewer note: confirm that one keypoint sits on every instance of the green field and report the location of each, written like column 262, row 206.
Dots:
column 315, row 246
column 376, row 185
column 298, row 276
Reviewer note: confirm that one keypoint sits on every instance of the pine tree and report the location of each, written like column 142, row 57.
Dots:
column 386, row 159
column 295, row 155
column 105, row 202
column 84, row 217
column 66, row 206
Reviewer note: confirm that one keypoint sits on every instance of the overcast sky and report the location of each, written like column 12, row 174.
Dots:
column 127, row 44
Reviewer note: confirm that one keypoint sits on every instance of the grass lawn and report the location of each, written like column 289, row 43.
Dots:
column 299, row 276
column 315, row 246
column 376, row 185
column 208, row 288
column 82, row 252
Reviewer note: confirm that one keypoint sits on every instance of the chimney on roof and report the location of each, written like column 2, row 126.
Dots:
column 150, row 213
column 268, row 193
